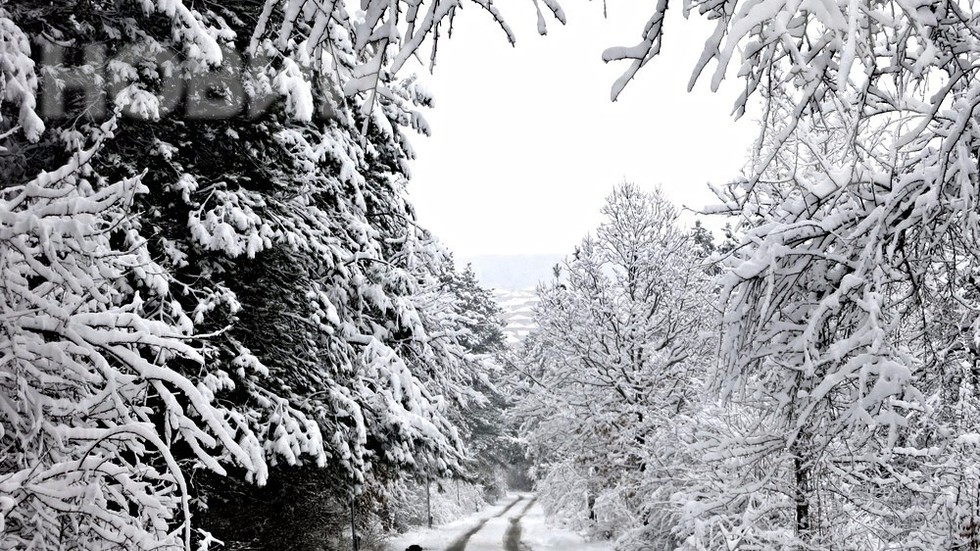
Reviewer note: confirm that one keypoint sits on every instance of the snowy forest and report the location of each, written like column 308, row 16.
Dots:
column 222, row 326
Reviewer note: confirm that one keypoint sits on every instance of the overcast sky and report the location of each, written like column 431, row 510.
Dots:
column 526, row 143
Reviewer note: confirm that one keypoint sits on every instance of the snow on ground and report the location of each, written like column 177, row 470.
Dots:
column 440, row 537
column 540, row 535
column 491, row 536
column 537, row 532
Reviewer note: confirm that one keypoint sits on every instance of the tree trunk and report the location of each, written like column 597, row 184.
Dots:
column 801, row 474
column 355, row 541
column 428, row 500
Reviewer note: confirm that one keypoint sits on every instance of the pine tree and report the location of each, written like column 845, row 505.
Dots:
column 244, row 294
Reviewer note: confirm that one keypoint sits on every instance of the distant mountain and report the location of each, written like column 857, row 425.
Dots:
column 513, row 272
column 513, row 279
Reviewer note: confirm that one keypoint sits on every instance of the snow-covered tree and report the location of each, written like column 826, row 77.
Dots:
column 486, row 432
column 848, row 349
column 615, row 365
column 93, row 403
column 491, row 448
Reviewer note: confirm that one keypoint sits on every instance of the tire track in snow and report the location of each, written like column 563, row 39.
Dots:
column 460, row 544
column 507, row 508
column 512, row 540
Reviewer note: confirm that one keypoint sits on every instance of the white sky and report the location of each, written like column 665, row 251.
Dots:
column 526, row 143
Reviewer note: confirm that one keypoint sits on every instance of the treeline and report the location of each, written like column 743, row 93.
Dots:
column 680, row 393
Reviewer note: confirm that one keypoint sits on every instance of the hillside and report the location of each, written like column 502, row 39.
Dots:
column 518, row 315
column 513, row 279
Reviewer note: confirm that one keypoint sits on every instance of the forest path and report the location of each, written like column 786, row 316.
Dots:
column 516, row 523
column 512, row 539
column 460, row 544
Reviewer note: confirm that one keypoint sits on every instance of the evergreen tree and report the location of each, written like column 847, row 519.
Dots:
column 244, row 294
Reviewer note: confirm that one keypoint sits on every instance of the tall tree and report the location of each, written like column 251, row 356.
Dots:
column 615, row 364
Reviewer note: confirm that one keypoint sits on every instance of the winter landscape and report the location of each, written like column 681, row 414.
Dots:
column 251, row 298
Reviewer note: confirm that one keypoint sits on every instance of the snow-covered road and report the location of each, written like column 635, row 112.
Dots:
column 516, row 523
